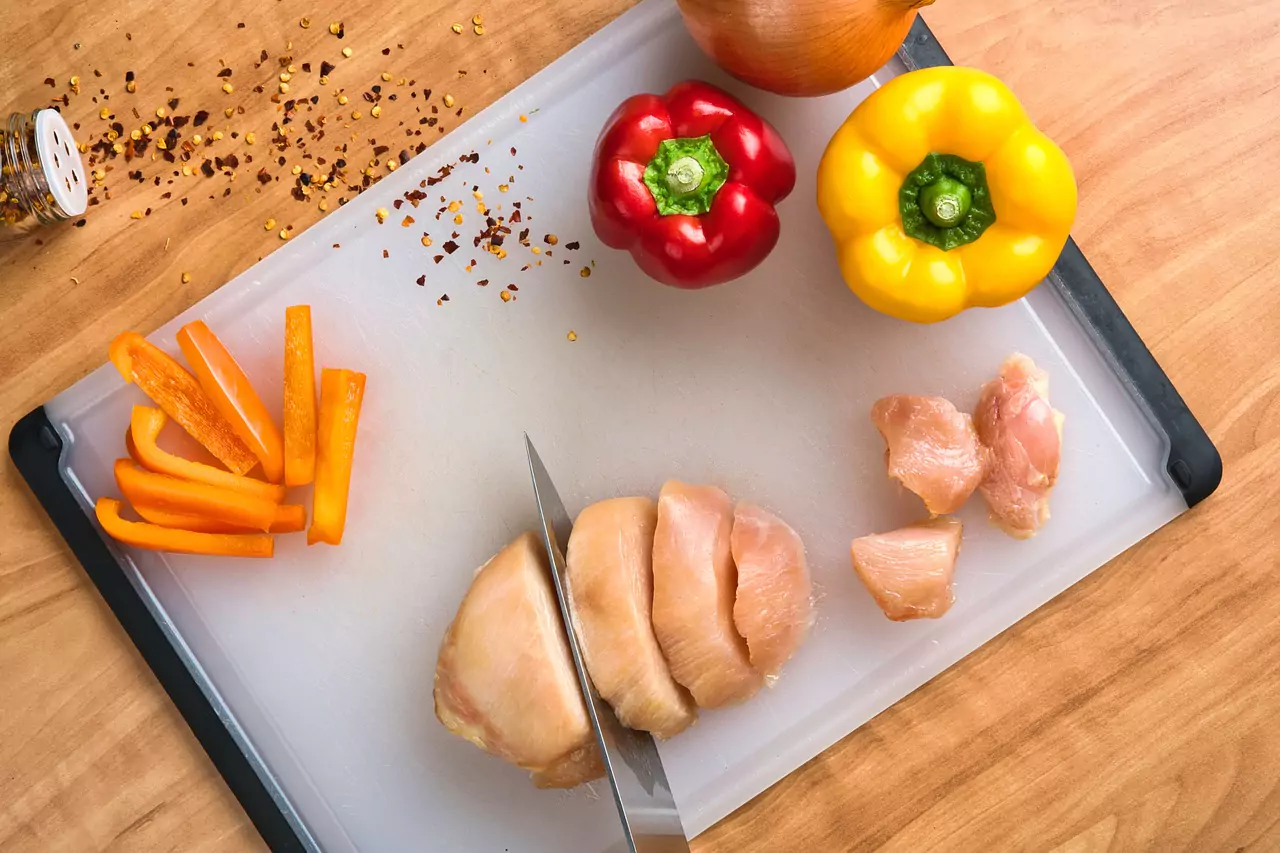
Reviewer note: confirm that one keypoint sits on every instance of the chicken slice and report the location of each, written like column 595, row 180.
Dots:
column 504, row 677
column 774, row 608
column 908, row 571
column 611, row 587
column 694, row 586
column 1024, row 434
column 933, row 449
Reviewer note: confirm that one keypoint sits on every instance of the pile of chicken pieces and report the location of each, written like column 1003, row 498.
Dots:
column 694, row 603
column 688, row 603
column 1009, row 451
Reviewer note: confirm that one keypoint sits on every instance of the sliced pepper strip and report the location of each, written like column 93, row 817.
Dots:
column 187, row 498
column 299, row 397
column 178, row 393
column 144, row 429
column 290, row 518
column 341, row 394
column 229, row 388
column 156, row 538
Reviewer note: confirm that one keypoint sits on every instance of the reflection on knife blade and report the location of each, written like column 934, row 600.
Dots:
column 650, row 820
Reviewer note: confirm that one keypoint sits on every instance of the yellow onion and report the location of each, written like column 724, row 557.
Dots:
column 800, row 47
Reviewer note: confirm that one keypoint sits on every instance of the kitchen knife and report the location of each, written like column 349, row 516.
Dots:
column 650, row 820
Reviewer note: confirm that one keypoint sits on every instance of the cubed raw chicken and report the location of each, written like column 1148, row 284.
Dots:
column 933, row 449
column 774, row 607
column 908, row 571
column 610, row 579
column 504, row 678
column 1024, row 433
column 694, row 587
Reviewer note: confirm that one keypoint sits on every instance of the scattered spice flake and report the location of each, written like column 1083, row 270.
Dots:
column 406, row 222
column 484, row 282
column 385, row 253
column 444, row 297
column 381, row 214
column 550, row 240
column 524, row 118
column 422, row 281
column 426, row 240
column 572, row 246
column 438, row 258
column 585, row 272
column 572, row 336
column 506, row 296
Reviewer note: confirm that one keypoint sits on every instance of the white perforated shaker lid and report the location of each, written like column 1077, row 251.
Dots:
column 63, row 169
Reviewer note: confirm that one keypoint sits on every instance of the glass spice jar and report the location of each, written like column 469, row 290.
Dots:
column 42, row 179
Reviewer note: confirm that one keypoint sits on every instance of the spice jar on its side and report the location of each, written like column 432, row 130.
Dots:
column 42, row 179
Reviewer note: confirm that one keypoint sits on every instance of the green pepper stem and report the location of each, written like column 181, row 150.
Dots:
column 685, row 175
column 946, row 202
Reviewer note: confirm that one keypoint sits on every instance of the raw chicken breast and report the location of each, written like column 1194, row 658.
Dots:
column 611, row 587
column 774, row 608
column 909, row 570
column 694, row 585
column 933, row 449
column 504, row 677
column 1024, row 433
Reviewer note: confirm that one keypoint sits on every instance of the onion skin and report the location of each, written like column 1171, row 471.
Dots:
column 800, row 47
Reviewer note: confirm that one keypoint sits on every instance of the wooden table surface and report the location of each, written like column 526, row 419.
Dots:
column 1136, row 711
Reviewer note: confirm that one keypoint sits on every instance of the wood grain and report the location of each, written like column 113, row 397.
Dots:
column 1135, row 712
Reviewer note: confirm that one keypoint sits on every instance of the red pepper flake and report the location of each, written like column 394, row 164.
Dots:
column 513, row 151
column 585, row 272
column 512, row 287
column 385, row 253
column 51, row 83
column 438, row 258
column 572, row 246
column 422, row 281
column 550, row 240
column 407, row 221
column 444, row 297
column 484, row 282
column 226, row 72
column 450, row 247
column 326, row 67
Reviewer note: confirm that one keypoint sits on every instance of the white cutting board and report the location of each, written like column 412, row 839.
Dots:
column 324, row 656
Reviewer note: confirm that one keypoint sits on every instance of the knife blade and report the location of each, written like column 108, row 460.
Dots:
column 650, row 819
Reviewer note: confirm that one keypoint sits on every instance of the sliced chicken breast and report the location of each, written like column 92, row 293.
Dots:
column 774, row 607
column 694, row 587
column 610, row 578
column 504, row 678
column 1024, row 434
column 933, row 449
column 908, row 571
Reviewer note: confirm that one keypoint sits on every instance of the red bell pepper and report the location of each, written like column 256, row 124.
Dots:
column 687, row 182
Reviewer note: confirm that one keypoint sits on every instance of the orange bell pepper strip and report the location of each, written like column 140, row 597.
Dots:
column 299, row 397
column 224, row 382
column 144, row 429
column 153, row 537
column 143, row 487
column 290, row 518
column 341, row 393
column 180, row 396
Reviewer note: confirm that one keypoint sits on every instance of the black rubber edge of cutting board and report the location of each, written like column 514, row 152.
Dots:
column 36, row 450
column 1194, row 464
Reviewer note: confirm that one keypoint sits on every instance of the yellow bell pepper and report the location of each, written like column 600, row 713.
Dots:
column 941, row 195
